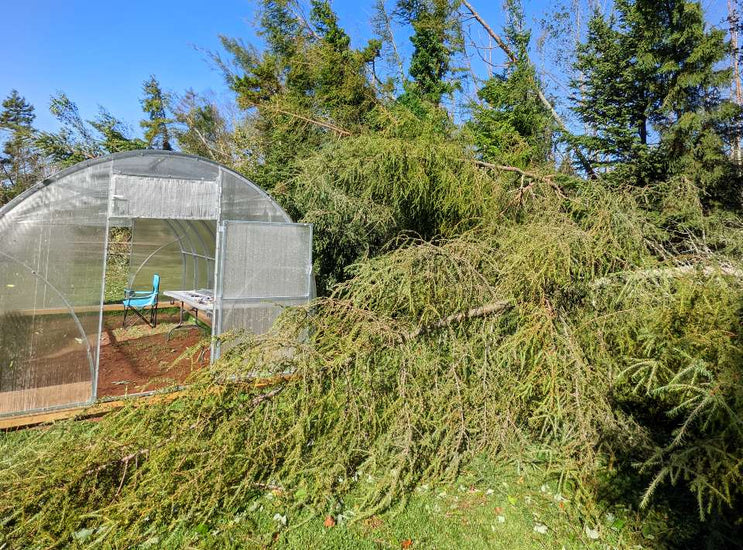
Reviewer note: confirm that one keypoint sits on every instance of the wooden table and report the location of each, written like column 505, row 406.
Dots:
column 192, row 301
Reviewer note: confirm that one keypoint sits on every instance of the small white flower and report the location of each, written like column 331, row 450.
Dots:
column 592, row 533
column 280, row 519
column 501, row 519
column 540, row 528
column 489, row 492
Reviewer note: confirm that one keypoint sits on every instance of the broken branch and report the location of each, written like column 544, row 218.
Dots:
column 513, row 58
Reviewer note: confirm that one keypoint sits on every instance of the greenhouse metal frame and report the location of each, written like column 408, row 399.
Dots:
column 196, row 223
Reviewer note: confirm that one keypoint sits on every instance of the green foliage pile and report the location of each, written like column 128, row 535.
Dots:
column 564, row 322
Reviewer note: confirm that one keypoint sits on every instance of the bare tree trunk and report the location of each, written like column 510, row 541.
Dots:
column 386, row 20
column 512, row 57
column 734, row 20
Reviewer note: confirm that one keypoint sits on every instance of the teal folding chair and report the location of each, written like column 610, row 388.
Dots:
column 140, row 301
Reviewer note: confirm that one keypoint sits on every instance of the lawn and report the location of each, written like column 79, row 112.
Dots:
column 508, row 505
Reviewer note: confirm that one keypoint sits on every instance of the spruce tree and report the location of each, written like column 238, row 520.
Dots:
column 435, row 33
column 512, row 126
column 155, row 105
column 650, row 89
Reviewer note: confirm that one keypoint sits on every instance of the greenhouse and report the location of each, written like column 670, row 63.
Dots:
column 212, row 239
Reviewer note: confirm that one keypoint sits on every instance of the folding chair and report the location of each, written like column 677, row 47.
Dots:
column 139, row 301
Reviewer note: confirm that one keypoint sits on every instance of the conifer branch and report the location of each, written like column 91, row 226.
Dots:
column 666, row 272
column 337, row 129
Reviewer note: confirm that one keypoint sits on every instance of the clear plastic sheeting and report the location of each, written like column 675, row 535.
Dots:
column 51, row 276
column 53, row 242
column 239, row 203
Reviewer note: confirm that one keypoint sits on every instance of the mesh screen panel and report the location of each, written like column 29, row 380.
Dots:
column 264, row 267
column 266, row 260
column 168, row 198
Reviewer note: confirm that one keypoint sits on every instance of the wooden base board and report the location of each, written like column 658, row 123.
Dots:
column 103, row 407
column 45, row 397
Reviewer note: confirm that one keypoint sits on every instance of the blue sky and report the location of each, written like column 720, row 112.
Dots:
column 100, row 52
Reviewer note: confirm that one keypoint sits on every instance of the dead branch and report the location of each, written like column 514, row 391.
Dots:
column 258, row 399
column 505, row 168
column 548, row 179
column 498, row 40
column 513, row 58
column 474, row 313
column 299, row 14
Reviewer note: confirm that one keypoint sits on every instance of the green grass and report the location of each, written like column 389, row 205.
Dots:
column 117, row 279
column 505, row 506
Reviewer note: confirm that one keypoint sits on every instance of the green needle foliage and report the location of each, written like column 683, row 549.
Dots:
column 650, row 87
column 556, row 324
column 513, row 126
column 20, row 163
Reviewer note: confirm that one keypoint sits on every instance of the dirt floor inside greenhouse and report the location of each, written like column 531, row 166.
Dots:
column 138, row 358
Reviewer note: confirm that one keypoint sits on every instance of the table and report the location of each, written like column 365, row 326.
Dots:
column 193, row 301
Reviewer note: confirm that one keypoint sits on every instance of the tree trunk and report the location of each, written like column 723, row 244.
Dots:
column 555, row 116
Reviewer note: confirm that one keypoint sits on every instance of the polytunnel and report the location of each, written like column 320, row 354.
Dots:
column 197, row 224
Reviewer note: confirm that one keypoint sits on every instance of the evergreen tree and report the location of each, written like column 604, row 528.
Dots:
column 19, row 162
column 305, row 89
column 513, row 126
column 155, row 105
column 114, row 134
column 340, row 85
column 202, row 129
column 80, row 140
column 435, row 34
column 650, row 89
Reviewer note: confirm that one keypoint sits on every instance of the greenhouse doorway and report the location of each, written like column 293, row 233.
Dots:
column 135, row 358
